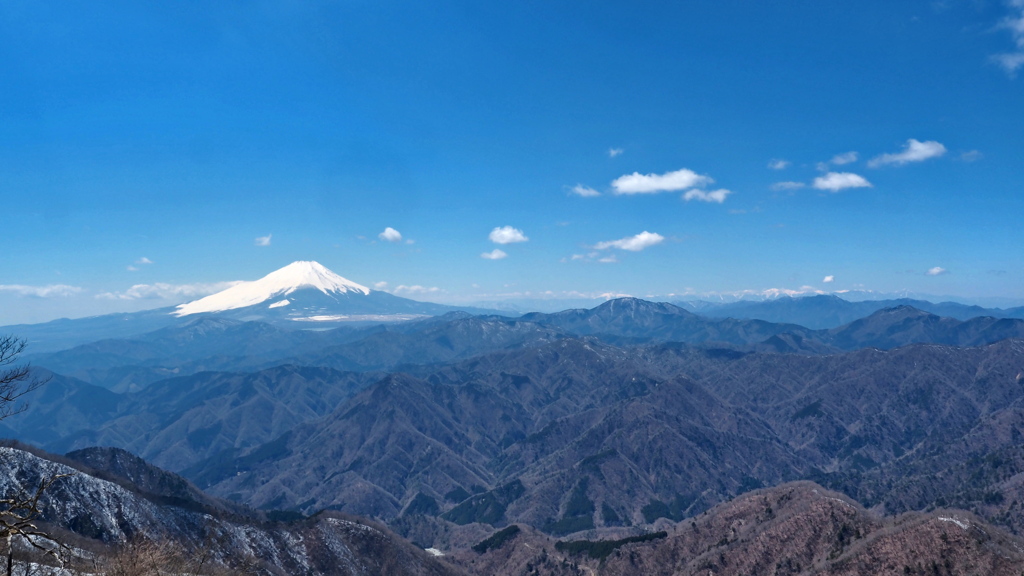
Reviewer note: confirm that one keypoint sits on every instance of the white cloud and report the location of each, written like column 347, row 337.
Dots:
column 143, row 260
column 971, row 156
column 713, row 196
column 636, row 243
column 380, row 285
column 415, row 289
column 828, row 279
column 613, row 152
column 390, row 235
column 48, row 291
column 836, row 181
column 914, row 151
column 609, row 259
column 937, row 271
column 637, row 183
column 162, row 291
column 778, row 164
column 494, row 254
column 507, row 235
column 263, row 240
column 584, row 191
column 844, row 158
column 780, row 186
column 1011, row 61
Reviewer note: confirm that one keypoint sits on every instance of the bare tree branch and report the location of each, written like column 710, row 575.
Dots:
column 16, row 380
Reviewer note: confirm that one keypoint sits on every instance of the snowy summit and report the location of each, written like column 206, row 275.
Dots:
column 279, row 283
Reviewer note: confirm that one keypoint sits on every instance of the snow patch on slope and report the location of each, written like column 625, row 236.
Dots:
column 278, row 283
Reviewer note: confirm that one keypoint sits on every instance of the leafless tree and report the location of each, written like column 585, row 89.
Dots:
column 16, row 380
column 20, row 511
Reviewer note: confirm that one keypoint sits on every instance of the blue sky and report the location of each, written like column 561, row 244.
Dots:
column 147, row 148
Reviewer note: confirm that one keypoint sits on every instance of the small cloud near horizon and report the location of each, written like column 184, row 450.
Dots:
column 829, row 279
column 48, row 291
column 635, row 243
column 717, row 196
column 637, row 183
column 584, row 191
column 262, row 240
column 507, row 235
column 913, row 151
column 164, row 291
column 780, row 186
column 495, row 254
column 836, row 181
column 936, row 271
column 390, row 235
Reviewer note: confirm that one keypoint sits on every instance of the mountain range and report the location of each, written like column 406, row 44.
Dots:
column 301, row 295
column 459, row 430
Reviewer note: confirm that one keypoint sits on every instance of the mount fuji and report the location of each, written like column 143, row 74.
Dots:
column 308, row 293
column 302, row 295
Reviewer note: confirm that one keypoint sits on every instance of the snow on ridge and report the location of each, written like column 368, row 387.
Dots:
column 278, row 283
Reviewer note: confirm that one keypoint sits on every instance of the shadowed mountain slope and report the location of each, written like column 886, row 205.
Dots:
column 550, row 432
column 797, row 528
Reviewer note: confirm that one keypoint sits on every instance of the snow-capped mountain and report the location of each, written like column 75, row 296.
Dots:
column 279, row 283
column 307, row 294
column 302, row 295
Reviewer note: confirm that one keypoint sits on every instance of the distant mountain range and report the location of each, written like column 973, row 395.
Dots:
column 302, row 295
column 494, row 419
column 614, row 421
column 830, row 311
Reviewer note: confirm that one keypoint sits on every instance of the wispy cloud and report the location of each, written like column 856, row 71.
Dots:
column 637, row 183
column 778, row 164
column 717, row 196
column 416, row 289
column 937, row 271
column 602, row 257
column 162, row 291
column 584, row 191
column 48, row 291
column 971, row 156
column 380, row 285
column 636, row 243
column 613, row 152
column 262, row 240
column 913, row 151
column 495, row 254
column 836, row 181
column 828, row 279
column 1012, row 61
column 140, row 262
column 780, row 186
column 507, row 235
column 390, row 235
column 844, row 158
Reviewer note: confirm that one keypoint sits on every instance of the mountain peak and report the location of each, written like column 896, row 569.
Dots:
column 301, row 274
